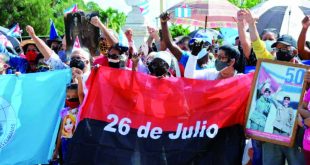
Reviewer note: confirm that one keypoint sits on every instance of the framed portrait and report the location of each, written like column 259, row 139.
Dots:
column 277, row 90
column 78, row 25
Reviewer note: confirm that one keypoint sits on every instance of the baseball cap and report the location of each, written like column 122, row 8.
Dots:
column 287, row 40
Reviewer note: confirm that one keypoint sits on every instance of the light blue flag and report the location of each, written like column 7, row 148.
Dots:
column 30, row 107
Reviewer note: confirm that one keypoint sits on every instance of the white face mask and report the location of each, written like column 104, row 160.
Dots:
column 268, row 44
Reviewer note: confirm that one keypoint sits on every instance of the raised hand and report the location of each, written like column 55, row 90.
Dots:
column 136, row 57
column 95, row 21
column 306, row 21
column 164, row 17
column 30, row 31
column 249, row 17
column 240, row 15
column 197, row 47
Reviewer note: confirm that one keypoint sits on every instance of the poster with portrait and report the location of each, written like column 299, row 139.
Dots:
column 277, row 90
column 78, row 25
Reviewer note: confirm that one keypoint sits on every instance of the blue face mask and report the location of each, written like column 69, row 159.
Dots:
column 268, row 44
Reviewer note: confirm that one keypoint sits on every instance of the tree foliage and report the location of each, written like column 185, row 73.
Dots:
column 111, row 17
column 245, row 3
column 178, row 30
column 29, row 12
column 38, row 13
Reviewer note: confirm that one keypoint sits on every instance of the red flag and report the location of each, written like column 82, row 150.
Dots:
column 76, row 44
column 165, row 102
column 160, row 121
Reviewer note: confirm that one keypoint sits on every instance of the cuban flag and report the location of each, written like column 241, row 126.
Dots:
column 144, row 7
column 15, row 31
column 183, row 11
column 76, row 44
column 72, row 9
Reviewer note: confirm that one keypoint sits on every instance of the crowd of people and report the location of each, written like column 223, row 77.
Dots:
column 163, row 57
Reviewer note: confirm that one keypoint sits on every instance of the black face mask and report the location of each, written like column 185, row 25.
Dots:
column 77, row 63
column 284, row 55
column 119, row 64
column 219, row 65
column 158, row 68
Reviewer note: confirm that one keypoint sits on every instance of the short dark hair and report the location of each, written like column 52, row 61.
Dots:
column 286, row 98
column 72, row 86
column 233, row 53
column 270, row 30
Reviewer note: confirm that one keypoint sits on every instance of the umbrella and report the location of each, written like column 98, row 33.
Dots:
column 209, row 13
column 206, row 35
column 283, row 15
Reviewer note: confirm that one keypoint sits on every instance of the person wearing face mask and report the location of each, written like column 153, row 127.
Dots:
column 80, row 62
column 269, row 36
column 68, row 122
column 285, row 51
column 116, row 57
column 226, row 65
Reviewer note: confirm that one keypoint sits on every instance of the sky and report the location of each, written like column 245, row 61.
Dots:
column 123, row 7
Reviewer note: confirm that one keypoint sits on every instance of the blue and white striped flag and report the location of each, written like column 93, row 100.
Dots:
column 183, row 11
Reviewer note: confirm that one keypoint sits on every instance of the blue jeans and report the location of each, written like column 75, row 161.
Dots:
column 257, row 155
column 275, row 154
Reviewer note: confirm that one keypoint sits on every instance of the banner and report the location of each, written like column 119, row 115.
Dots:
column 133, row 118
column 30, row 107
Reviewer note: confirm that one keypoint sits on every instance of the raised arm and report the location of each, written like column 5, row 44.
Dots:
column 259, row 46
column 174, row 49
column 252, row 24
column 44, row 49
column 110, row 37
column 245, row 43
column 304, row 51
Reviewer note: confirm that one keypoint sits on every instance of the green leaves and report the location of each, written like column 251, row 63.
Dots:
column 37, row 13
column 178, row 30
column 111, row 17
column 245, row 3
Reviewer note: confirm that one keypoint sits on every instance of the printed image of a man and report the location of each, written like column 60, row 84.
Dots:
column 259, row 116
column 284, row 120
